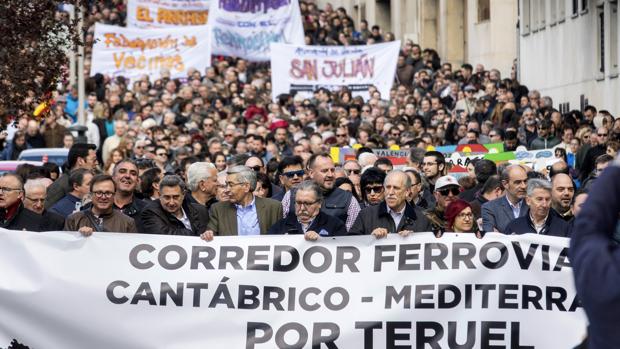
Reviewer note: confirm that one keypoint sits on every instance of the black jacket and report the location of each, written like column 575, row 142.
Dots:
column 323, row 224
column 554, row 226
column 373, row 217
column 24, row 219
column 156, row 220
column 595, row 259
column 52, row 221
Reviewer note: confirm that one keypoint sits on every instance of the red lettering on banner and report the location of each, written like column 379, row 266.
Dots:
column 304, row 69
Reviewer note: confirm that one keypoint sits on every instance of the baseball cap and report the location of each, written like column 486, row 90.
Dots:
column 445, row 182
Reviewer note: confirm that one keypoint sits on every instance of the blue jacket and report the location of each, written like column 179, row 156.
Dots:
column 67, row 205
column 554, row 226
column 496, row 214
column 596, row 260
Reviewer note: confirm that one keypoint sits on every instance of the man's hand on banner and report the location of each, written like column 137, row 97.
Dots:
column 86, row 231
column 311, row 235
column 380, row 233
column 207, row 235
column 405, row 233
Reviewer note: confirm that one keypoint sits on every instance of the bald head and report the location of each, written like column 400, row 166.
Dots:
column 562, row 192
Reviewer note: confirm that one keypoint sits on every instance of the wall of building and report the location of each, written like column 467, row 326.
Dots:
column 449, row 26
column 492, row 42
column 562, row 59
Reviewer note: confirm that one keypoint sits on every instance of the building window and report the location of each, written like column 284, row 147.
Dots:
column 561, row 10
column 484, row 10
column 584, row 6
column 534, row 4
column 525, row 17
column 600, row 52
column 613, row 38
column 542, row 16
column 575, row 7
column 553, row 12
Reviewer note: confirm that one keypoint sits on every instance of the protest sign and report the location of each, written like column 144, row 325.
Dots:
column 166, row 13
column 304, row 69
column 398, row 158
column 246, row 28
column 132, row 52
column 60, row 290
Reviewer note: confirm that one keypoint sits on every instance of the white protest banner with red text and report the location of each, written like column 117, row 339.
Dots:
column 246, row 28
column 61, row 290
column 133, row 52
column 166, row 13
column 305, row 69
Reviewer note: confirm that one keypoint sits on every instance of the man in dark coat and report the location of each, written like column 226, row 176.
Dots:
column 541, row 219
column 308, row 218
column 34, row 200
column 13, row 215
column 595, row 259
column 168, row 216
column 81, row 155
column 395, row 214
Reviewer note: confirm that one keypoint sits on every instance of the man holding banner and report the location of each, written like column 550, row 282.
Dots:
column 395, row 214
column 101, row 217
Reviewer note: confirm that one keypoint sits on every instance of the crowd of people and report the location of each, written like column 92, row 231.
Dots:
column 213, row 154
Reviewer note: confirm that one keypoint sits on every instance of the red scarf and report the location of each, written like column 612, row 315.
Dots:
column 11, row 211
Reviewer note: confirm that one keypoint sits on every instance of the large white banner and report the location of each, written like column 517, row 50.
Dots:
column 246, row 28
column 306, row 68
column 166, row 13
column 60, row 290
column 133, row 52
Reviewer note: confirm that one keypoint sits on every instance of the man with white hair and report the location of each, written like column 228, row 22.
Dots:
column 541, row 218
column 244, row 213
column 202, row 184
column 367, row 159
column 34, row 200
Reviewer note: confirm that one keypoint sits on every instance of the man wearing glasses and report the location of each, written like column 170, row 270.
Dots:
column 34, row 200
column 394, row 214
column 433, row 166
column 244, row 213
column 101, row 216
column 338, row 203
column 291, row 170
column 447, row 190
column 308, row 218
column 602, row 136
column 13, row 214
column 353, row 171
column 168, row 215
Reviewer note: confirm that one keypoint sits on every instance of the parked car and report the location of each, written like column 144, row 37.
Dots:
column 11, row 165
column 55, row 155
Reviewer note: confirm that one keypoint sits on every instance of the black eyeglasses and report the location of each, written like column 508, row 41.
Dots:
column 445, row 192
column 256, row 168
column 376, row 189
column 291, row 174
column 341, row 135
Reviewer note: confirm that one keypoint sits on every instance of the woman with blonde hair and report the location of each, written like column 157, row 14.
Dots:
column 116, row 155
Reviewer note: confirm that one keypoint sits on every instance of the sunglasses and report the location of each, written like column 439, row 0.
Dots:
column 291, row 174
column 445, row 192
column 355, row 172
column 256, row 168
column 377, row 189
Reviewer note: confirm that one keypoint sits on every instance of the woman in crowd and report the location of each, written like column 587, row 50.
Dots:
column 460, row 218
